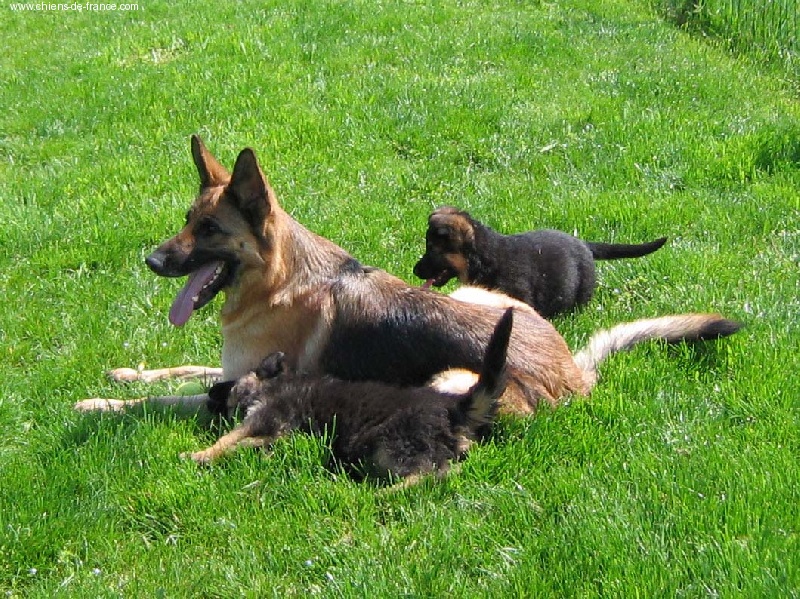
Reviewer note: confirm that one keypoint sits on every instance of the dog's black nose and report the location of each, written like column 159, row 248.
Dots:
column 155, row 261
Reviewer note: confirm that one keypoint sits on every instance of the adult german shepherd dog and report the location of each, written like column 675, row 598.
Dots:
column 290, row 290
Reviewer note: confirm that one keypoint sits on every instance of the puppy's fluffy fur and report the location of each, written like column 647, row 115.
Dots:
column 376, row 429
column 550, row 270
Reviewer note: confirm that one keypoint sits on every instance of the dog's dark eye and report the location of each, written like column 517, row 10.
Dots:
column 207, row 226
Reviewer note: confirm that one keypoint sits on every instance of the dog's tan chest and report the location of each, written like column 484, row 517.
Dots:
column 248, row 339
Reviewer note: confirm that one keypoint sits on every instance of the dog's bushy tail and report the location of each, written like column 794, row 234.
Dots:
column 614, row 251
column 672, row 329
column 480, row 402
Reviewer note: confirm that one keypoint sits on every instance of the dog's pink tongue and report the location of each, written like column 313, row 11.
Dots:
column 183, row 305
column 427, row 284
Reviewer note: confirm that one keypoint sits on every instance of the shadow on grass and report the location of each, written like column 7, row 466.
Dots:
column 124, row 423
column 698, row 358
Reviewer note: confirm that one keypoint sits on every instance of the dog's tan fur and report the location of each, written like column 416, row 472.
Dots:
column 296, row 292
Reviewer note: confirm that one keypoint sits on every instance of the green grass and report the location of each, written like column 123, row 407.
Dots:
column 678, row 477
column 764, row 29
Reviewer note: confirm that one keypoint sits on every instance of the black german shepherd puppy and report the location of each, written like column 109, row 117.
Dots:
column 549, row 270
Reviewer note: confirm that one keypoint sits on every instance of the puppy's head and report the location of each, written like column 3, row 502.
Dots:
column 448, row 241
column 227, row 396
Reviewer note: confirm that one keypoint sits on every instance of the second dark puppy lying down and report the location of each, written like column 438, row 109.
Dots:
column 549, row 270
column 376, row 429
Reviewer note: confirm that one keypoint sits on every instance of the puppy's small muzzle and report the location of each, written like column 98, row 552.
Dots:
column 423, row 268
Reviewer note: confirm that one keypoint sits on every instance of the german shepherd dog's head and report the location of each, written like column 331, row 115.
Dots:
column 225, row 232
column 449, row 240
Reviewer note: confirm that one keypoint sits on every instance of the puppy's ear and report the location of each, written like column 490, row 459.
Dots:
column 218, row 397
column 211, row 172
column 455, row 228
column 272, row 366
column 442, row 231
column 440, row 221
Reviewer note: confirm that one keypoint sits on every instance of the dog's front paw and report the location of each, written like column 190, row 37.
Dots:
column 101, row 405
column 202, row 458
column 124, row 375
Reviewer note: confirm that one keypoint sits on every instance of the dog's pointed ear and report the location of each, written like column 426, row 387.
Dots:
column 211, row 172
column 249, row 188
column 439, row 225
column 272, row 366
column 453, row 225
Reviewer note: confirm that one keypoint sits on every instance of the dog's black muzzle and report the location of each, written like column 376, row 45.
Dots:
column 172, row 259
column 170, row 263
column 424, row 269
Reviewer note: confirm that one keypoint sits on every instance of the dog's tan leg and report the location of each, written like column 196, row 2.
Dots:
column 255, row 442
column 182, row 402
column 129, row 375
column 414, row 479
column 241, row 436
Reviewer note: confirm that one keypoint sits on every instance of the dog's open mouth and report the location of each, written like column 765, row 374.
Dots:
column 438, row 280
column 203, row 284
